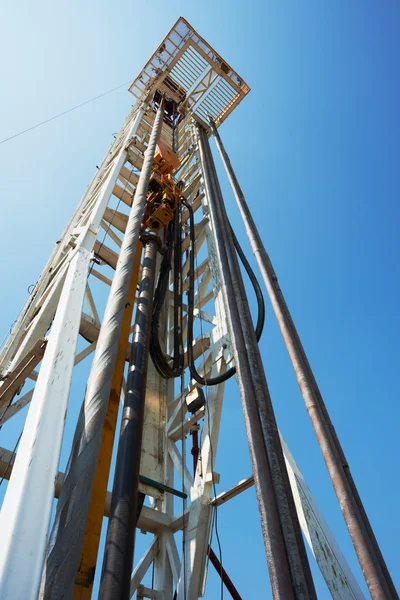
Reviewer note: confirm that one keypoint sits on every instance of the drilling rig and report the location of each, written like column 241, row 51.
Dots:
column 152, row 237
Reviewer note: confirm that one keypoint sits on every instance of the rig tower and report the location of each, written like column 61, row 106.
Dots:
column 145, row 286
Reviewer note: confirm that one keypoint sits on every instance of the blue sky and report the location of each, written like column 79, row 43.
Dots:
column 315, row 147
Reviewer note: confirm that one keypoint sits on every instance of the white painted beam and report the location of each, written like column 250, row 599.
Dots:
column 197, row 529
column 183, row 471
column 27, row 506
column 143, row 565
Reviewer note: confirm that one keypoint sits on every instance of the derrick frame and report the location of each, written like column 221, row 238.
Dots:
column 63, row 306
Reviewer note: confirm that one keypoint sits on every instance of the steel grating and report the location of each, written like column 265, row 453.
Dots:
column 186, row 68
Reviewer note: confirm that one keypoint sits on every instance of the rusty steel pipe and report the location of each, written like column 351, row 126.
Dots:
column 226, row 580
column 300, row 572
column 255, row 398
column 65, row 545
column 372, row 563
column 270, row 524
column 342, row 457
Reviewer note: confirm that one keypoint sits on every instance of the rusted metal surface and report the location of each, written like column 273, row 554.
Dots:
column 372, row 563
column 227, row 581
column 287, row 560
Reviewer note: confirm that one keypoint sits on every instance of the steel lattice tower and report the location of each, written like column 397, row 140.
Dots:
column 152, row 231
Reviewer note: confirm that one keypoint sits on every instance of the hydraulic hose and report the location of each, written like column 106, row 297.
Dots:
column 257, row 289
column 173, row 245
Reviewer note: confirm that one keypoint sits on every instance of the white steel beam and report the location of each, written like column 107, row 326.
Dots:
column 66, row 242
column 26, row 511
column 26, row 398
column 145, row 592
column 16, row 379
column 150, row 520
column 163, row 570
column 41, row 323
column 332, row 564
column 196, row 532
column 234, row 491
column 184, row 474
column 182, row 430
column 143, row 565
column 173, row 556
column 17, row 406
column 91, row 304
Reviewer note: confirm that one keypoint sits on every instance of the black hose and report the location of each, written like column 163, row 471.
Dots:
column 161, row 363
column 257, row 289
column 179, row 358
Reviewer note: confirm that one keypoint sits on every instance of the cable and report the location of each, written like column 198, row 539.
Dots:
column 159, row 360
column 173, row 244
column 184, row 504
column 178, row 362
column 63, row 113
column 260, row 302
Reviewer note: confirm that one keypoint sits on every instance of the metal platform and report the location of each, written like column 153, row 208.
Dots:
column 188, row 70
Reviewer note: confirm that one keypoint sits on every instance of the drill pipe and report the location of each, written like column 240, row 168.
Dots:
column 366, row 546
column 286, row 555
column 65, row 544
column 120, row 540
column 297, row 558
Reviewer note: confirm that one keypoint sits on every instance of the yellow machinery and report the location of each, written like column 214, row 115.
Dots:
column 164, row 194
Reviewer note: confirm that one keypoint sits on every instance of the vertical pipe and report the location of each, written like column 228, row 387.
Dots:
column 120, row 541
column 87, row 564
column 300, row 572
column 27, row 507
column 366, row 546
column 72, row 509
column 280, row 576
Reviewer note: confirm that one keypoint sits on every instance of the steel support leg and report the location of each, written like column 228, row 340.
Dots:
column 120, row 541
column 287, row 560
column 371, row 560
column 72, row 510
column 26, row 511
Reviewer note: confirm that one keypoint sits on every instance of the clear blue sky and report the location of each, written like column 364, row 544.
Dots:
column 315, row 145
